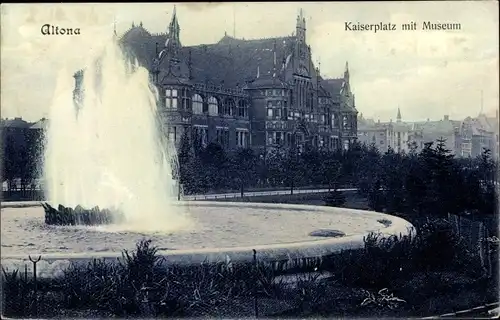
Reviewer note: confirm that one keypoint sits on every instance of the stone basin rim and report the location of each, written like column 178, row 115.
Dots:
column 398, row 227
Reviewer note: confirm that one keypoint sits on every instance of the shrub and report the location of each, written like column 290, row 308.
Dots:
column 335, row 199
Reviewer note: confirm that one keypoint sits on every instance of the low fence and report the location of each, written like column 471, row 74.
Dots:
column 22, row 195
column 37, row 195
column 479, row 236
column 28, row 295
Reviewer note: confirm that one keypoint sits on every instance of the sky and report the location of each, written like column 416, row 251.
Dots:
column 427, row 74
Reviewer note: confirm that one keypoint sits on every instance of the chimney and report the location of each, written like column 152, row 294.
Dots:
column 446, row 117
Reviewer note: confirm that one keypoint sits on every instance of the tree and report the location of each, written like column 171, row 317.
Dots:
column 243, row 164
column 186, row 163
column 351, row 162
column 10, row 161
column 376, row 199
column 438, row 163
column 415, row 183
column 368, row 171
column 487, row 169
column 311, row 160
column 331, row 170
column 294, row 168
column 392, row 181
column 214, row 166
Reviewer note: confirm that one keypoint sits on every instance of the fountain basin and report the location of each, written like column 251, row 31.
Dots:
column 223, row 231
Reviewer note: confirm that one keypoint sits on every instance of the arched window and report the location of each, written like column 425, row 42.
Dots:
column 229, row 107
column 197, row 104
column 242, row 109
column 213, row 106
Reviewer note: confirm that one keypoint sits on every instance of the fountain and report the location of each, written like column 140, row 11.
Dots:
column 105, row 149
column 109, row 173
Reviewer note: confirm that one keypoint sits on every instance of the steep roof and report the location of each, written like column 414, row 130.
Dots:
column 436, row 127
column 333, row 85
column 488, row 123
column 230, row 61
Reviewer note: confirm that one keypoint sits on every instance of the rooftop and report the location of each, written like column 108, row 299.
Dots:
column 230, row 62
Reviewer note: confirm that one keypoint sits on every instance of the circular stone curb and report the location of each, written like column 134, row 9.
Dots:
column 316, row 248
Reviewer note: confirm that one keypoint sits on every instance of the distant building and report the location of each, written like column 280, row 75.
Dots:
column 492, row 126
column 371, row 133
column 467, row 138
column 14, row 132
column 394, row 135
column 478, row 134
column 431, row 131
column 260, row 93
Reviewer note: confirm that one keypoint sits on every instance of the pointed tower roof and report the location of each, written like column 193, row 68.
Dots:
column 346, row 70
column 173, row 41
column 174, row 23
column 301, row 21
column 398, row 118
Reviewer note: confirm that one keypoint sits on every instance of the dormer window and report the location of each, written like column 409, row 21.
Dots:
column 185, row 99
column 171, row 98
column 346, row 122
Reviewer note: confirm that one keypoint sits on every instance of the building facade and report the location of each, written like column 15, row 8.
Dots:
column 394, row 135
column 478, row 134
column 263, row 93
column 467, row 138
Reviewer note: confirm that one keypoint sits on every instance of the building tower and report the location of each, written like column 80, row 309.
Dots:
column 398, row 117
column 300, row 30
column 173, row 43
column 346, row 72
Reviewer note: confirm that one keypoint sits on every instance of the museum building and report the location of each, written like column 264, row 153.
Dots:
column 263, row 93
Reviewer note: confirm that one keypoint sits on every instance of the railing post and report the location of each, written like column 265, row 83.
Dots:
column 256, row 274
column 35, row 284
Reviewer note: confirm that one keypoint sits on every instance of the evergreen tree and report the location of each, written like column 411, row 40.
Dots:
column 185, row 157
column 415, row 183
column 369, row 169
column 376, row 199
column 392, row 182
column 439, row 165
column 488, row 198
